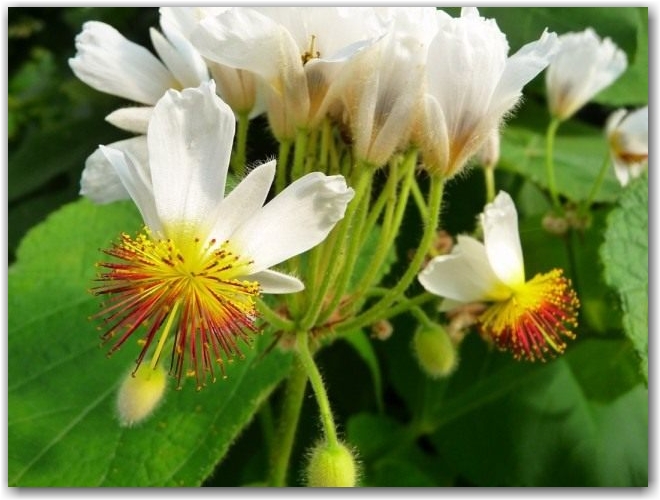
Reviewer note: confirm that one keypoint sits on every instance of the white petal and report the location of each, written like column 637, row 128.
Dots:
column 521, row 68
column 100, row 181
column 299, row 218
column 134, row 119
column 622, row 171
column 230, row 36
column 108, row 62
column 273, row 282
column 190, row 139
column 136, row 183
column 464, row 276
column 502, row 240
column 244, row 200
column 180, row 57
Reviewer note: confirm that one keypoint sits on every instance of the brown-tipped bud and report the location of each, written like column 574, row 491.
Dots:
column 331, row 466
column 382, row 329
column 140, row 394
column 435, row 351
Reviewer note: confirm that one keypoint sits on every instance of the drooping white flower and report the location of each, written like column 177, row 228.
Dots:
column 238, row 88
column 296, row 51
column 381, row 88
column 583, row 66
column 527, row 317
column 108, row 62
column 195, row 271
column 471, row 86
column 628, row 137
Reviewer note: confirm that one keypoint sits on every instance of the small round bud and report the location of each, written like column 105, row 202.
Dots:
column 140, row 394
column 435, row 351
column 331, row 466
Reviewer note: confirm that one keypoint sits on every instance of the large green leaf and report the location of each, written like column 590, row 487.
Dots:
column 62, row 424
column 581, row 420
column 625, row 254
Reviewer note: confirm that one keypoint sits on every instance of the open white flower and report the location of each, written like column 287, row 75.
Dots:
column 472, row 86
column 296, row 51
column 110, row 63
column 583, row 66
column 628, row 137
column 195, row 271
column 527, row 317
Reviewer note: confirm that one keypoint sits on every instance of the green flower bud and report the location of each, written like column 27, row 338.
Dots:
column 140, row 394
column 435, row 351
column 331, row 466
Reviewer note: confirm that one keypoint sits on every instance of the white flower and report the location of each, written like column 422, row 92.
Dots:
column 108, row 62
column 583, row 66
column 526, row 317
column 472, row 85
column 296, row 51
column 238, row 88
column 99, row 181
column 628, row 137
column 381, row 87
column 204, row 257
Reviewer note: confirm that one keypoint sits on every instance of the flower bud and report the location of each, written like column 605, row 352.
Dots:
column 331, row 466
column 140, row 393
column 435, row 351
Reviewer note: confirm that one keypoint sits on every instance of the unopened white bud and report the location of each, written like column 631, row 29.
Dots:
column 140, row 394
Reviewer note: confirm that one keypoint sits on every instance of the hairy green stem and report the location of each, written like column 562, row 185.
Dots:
column 239, row 156
column 316, row 381
column 288, row 423
column 549, row 161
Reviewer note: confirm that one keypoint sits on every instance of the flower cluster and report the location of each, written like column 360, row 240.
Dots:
column 347, row 92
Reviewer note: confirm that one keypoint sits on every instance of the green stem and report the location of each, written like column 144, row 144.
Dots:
column 401, row 307
column 284, row 439
column 299, row 154
column 390, row 229
column 419, row 200
column 549, row 161
column 272, row 318
column 598, row 182
column 380, row 309
column 489, row 176
column 282, row 166
column 340, row 259
column 239, row 157
column 307, row 361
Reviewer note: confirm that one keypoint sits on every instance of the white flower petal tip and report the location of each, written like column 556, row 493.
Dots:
column 502, row 240
column 332, row 198
column 273, row 282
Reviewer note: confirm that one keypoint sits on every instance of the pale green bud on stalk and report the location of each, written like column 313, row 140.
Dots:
column 331, row 466
column 435, row 351
column 140, row 394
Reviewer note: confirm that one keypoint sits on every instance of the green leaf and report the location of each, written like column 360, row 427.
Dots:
column 581, row 420
column 625, row 255
column 578, row 154
column 361, row 343
column 389, row 456
column 62, row 424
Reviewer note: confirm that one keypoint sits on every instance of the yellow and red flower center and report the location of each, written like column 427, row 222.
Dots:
column 189, row 295
column 536, row 319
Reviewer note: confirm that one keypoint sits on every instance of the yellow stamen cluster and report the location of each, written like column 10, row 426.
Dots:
column 188, row 292
column 534, row 321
